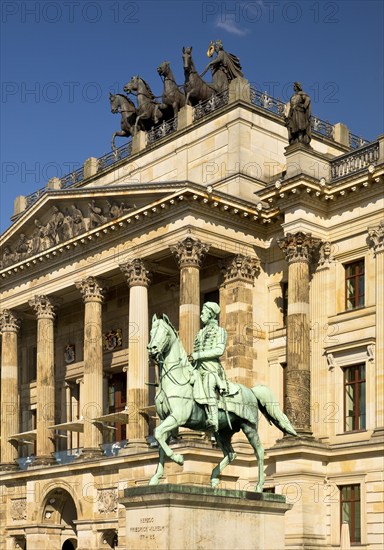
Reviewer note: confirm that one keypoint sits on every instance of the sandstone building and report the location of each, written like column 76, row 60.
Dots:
column 217, row 206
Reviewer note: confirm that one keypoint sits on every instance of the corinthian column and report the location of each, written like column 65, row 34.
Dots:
column 376, row 238
column 92, row 295
column 45, row 315
column 138, row 279
column 298, row 250
column 190, row 254
column 9, row 326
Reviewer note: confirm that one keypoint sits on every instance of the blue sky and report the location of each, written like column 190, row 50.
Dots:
column 61, row 59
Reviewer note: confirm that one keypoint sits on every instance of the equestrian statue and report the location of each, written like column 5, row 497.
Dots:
column 194, row 392
column 120, row 103
column 148, row 109
column 172, row 97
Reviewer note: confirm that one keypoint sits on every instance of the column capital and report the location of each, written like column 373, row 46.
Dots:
column 91, row 290
column 136, row 272
column 44, row 307
column 298, row 247
column 8, row 321
column 190, row 252
column 376, row 237
column 240, row 268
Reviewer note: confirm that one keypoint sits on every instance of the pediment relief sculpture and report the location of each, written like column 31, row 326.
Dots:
column 63, row 224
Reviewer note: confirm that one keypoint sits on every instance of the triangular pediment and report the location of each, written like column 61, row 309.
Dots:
column 60, row 219
column 59, row 216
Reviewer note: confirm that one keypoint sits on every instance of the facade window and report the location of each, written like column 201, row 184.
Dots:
column 354, row 398
column 117, row 401
column 354, row 284
column 284, row 304
column 350, row 510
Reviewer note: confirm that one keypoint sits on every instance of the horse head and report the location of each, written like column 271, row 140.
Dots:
column 163, row 68
column 161, row 336
column 132, row 85
column 187, row 58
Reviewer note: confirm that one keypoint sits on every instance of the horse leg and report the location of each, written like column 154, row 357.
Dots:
column 224, row 442
column 160, row 468
column 253, row 438
column 162, row 432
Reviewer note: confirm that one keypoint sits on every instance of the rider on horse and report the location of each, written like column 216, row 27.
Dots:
column 208, row 346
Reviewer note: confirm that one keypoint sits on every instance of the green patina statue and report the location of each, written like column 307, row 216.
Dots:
column 193, row 392
column 208, row 346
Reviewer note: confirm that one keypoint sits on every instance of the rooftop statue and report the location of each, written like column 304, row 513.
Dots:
column 298, row 118
column 194, row 392
column 148, row 110
column 225, row 67
column 172, row 96
column 195, row 88
column 120, row 103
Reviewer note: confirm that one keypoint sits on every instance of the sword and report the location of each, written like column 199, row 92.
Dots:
column 226, row 412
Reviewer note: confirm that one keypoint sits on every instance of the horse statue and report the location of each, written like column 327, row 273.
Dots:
column 172, row 96
column 120, row 103
column 196, row 89
column 176, row 405
column 148, row 110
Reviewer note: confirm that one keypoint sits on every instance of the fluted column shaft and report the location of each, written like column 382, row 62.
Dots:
column 298, row 249
column 190, row 254
column 45, row 381
column 138, row 278
column 92, row 294
column 9, row 327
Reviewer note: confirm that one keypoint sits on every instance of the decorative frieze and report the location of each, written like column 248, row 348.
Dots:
column 19, row 509
column 190, row 252
column 136, row 272
column 299, row 247
column 43, row 306
column 240, row 268
column 107, row 500
column 376, row 237
column 8, row 321
column 90, row 289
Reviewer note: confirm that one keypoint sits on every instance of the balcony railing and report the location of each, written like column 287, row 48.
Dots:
column 318, row 126
column 203, row 108
column 161, row 130
column 356, row 161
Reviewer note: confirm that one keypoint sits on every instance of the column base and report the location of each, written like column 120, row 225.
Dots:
column 9, row 466
column 136, row 445
column 43, row 460
column 90, row 453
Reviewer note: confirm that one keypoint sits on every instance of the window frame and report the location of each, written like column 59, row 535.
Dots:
column 356, row 278
column 356, row 383
column 352, row 501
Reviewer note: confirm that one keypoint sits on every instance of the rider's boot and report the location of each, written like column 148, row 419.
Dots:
column 212, row 418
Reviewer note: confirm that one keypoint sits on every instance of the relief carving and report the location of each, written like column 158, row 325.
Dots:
column 19, row 509
column 107, row 500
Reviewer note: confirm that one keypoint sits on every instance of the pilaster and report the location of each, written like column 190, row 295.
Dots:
column 138, row 279
column 44, row 308
column 236, row 295
column 376, row 241
column 92, row 404
column 298, row 249
column 189, row 254
column 9, row 327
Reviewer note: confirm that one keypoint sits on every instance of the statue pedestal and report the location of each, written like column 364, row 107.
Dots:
column 171, row 517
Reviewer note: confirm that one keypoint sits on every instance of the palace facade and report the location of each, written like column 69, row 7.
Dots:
column 212, row 206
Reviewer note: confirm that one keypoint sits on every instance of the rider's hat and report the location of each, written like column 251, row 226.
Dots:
column 212, row 306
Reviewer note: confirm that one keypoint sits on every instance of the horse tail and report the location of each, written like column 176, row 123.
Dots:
column 271, row 410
